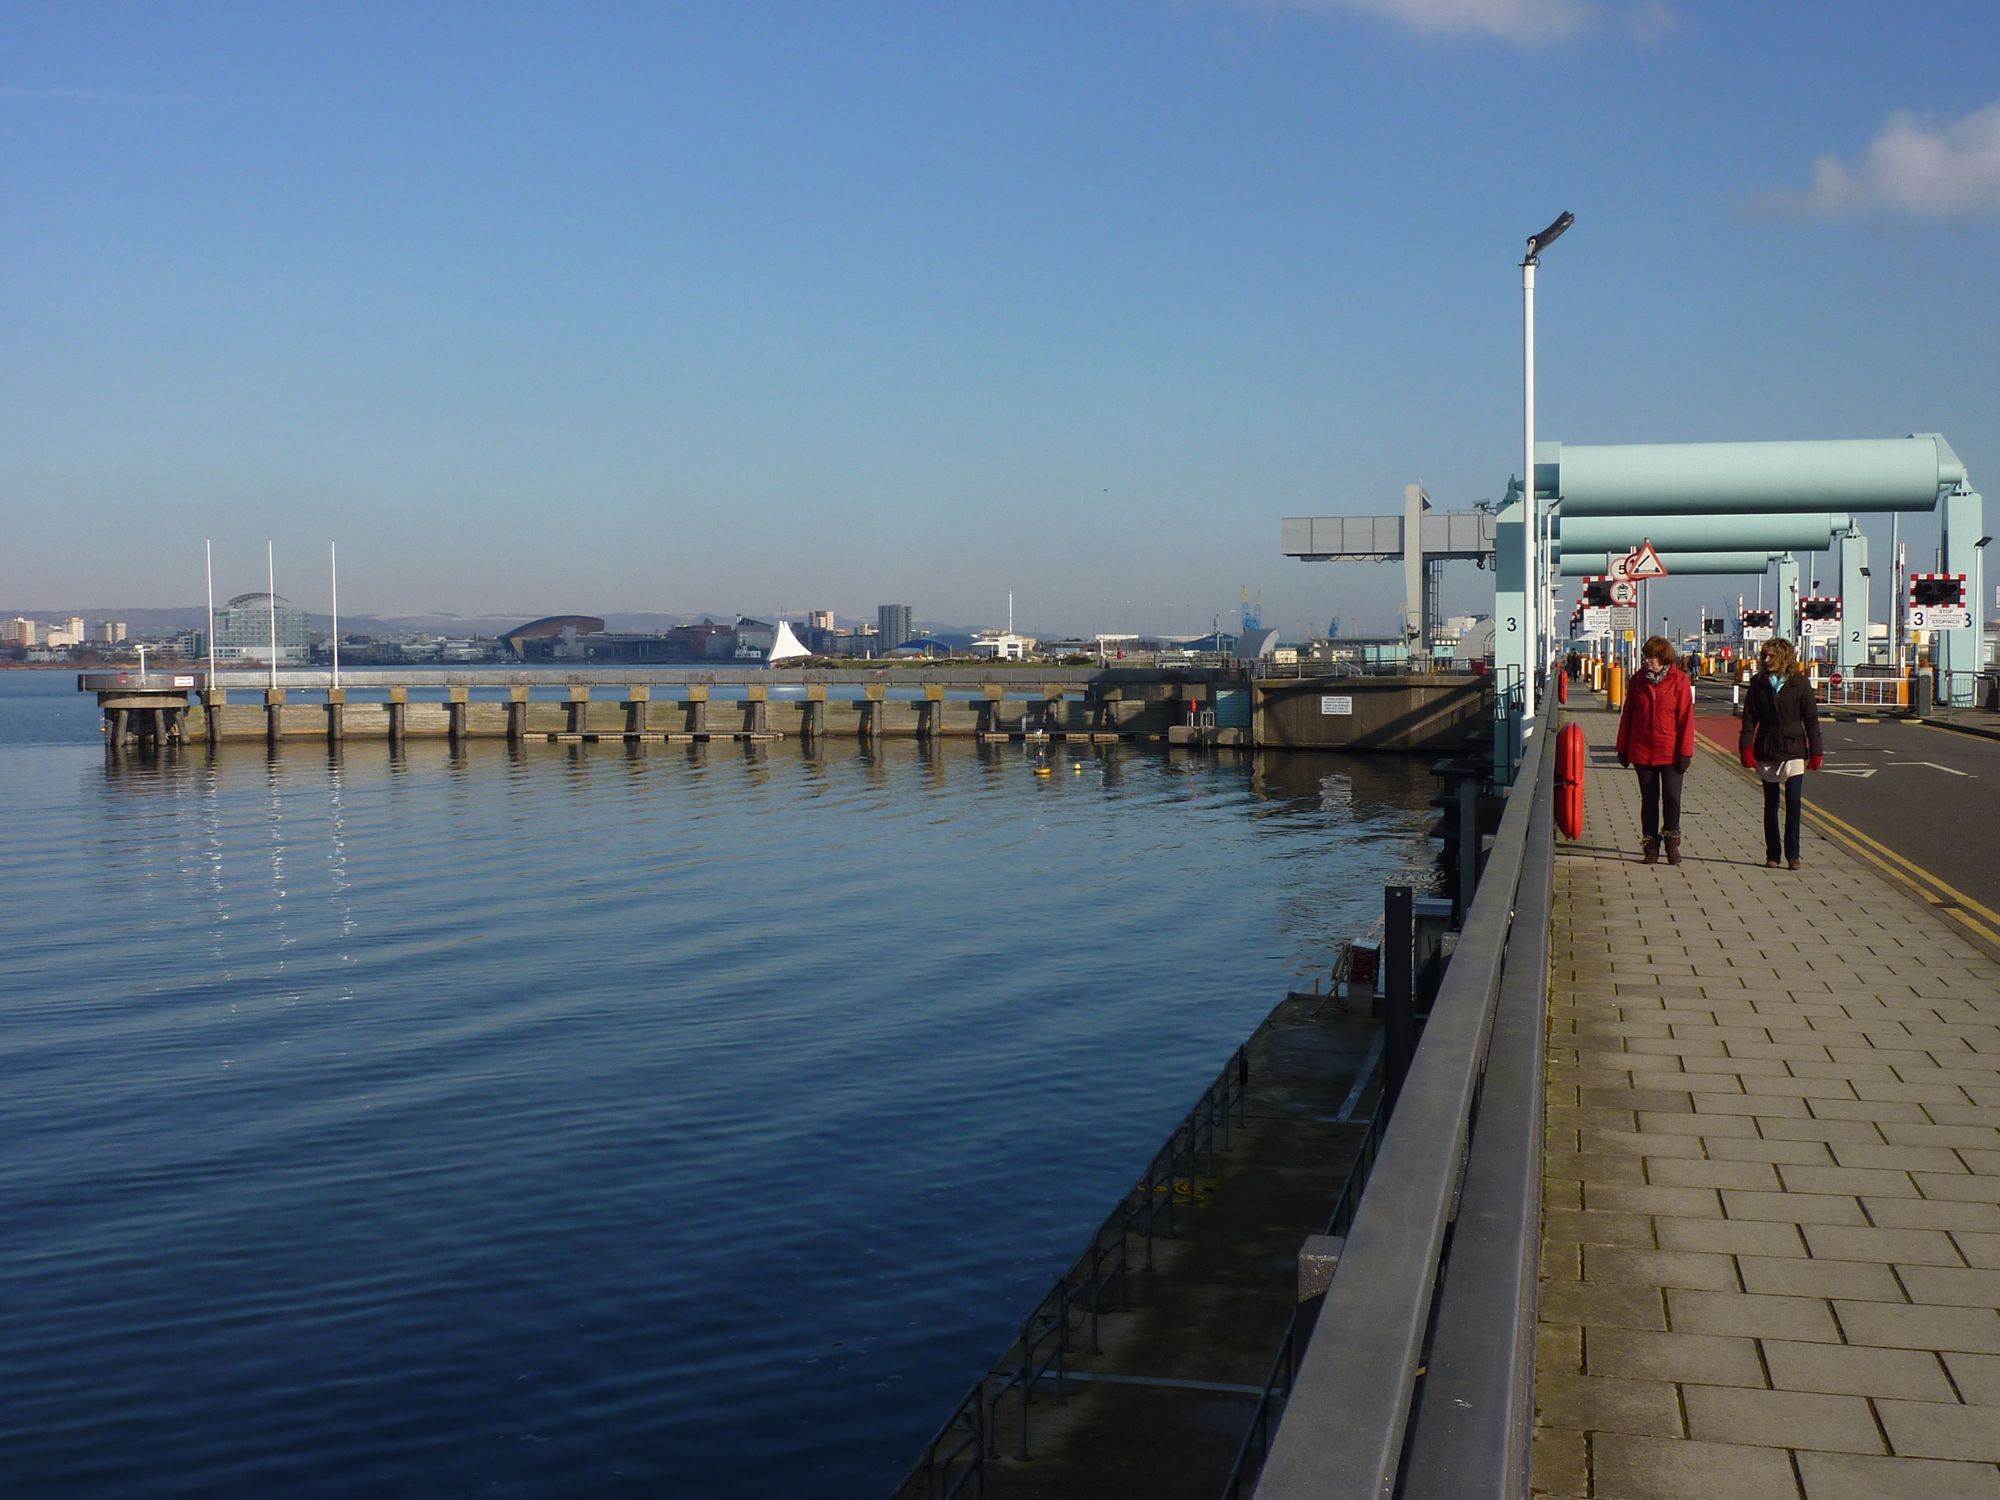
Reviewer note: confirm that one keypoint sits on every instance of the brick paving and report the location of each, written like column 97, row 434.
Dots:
column 1771, row 1233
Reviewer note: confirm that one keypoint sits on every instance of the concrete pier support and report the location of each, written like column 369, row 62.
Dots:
column 577, row 708
column 930, row 713
column 213, row 701
column 517, row 715
column 399, row 704
column 455, row 701
column 1787, row 606
column 274, row 715
column 872, row 711
column 989, row 710
column 1851, row 650
column 336, row 715
column 812, row 718
column 697, row 709
column 638, row 703
column 756, row 709
column 1055, row 717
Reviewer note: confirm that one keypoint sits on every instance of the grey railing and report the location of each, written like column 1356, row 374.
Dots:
column 954, row 1462
column 1463, row 1145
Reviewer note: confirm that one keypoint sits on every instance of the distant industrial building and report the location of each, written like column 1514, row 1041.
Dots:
column 552, row 635
column 892, row 624
column 244, row 630
column 1002, row 645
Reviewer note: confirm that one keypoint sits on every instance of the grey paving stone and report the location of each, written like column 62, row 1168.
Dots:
column 1977, row 1377
column 1633, row 1353
column 1781, row 1419
column 1743, row 1314
column 1914, row 1374
column 1946, row 1329
column 1840, row 1476
column 1932, row 1429
column 1643, row 1468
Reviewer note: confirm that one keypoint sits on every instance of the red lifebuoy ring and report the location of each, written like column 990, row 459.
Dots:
column 1569, row 781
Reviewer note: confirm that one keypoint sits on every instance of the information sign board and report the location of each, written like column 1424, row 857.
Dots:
column 1938, row 602
column 1332, row 704
column 1939, row 617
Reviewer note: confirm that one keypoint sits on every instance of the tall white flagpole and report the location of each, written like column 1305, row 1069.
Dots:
column 208, row 557
column 333, row 561
column 1531, row 580
column 271, row 597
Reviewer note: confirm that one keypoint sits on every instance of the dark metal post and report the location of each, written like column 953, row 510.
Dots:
column 1398, row 1022
column 1468, row 848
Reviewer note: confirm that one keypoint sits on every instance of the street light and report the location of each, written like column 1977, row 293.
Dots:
column 1979, row 601
column 1537, row 601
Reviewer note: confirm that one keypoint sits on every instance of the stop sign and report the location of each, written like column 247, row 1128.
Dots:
column 1836, row 679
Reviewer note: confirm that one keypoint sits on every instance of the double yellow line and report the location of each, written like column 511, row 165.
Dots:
column 1980, row 920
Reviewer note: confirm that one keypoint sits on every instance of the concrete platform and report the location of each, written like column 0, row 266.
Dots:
column 1771, row 1255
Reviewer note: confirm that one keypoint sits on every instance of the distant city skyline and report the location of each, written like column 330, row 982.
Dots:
column 637, row 307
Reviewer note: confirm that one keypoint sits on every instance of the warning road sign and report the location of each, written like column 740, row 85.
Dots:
column 1642, row 562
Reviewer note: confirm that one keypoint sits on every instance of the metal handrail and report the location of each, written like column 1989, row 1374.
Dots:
column 1349, row 1408
column 1256, row 1444
column 1474, row 1412
column 1077, row 1298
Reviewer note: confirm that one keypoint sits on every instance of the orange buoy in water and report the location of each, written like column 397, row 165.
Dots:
column 1569, row 781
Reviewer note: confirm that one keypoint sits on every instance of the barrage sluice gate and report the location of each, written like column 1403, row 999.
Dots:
column 1220, row 708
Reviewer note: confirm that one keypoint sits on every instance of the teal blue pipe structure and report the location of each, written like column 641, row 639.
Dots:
column 1637, row 479
column 1678, row 564
column 1772, row 532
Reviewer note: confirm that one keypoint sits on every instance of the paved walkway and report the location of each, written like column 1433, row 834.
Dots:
column 1771, row 1253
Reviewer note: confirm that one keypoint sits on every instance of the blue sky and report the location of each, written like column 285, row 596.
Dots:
column 763, row 306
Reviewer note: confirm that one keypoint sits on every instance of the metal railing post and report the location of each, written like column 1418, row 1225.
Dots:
column 1398, row 1000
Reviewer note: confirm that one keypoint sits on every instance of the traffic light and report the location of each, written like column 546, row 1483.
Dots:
column 1819, row 609
column 1937, row 591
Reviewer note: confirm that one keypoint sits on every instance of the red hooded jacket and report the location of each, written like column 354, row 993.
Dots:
column 1657, row 727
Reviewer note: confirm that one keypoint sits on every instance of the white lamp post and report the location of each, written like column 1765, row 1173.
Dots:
column 1535, row 600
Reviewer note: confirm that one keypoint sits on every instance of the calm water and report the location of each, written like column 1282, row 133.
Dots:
column 676, row 1121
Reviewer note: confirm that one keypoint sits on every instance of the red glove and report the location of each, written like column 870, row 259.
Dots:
column 1749, row 758
column 1816, row 762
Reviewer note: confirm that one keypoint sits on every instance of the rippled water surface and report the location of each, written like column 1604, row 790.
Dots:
column 674, row 1120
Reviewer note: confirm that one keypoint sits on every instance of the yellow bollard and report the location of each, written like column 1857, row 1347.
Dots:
column 1614, row 696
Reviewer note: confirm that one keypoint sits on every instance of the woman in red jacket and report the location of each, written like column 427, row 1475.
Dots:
column 1656, row 736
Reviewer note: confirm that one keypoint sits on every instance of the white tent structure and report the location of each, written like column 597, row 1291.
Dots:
column 785, row 646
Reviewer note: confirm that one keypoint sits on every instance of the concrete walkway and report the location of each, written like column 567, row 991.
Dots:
column 1771, row 1253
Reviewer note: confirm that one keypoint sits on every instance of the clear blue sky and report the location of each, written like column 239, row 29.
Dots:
column 745, row 305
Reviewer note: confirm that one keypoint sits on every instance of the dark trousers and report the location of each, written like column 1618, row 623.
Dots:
column 1657, row 785
column 1795, row 801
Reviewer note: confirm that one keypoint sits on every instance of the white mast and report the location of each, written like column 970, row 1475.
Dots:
column 333, row 561
column 208, row 557
column 271, row 598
